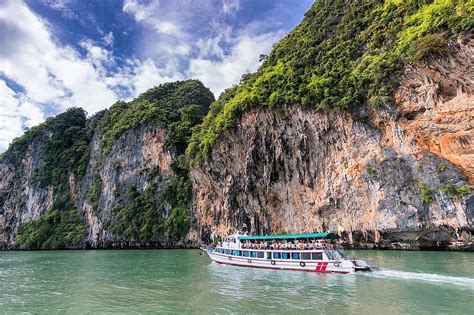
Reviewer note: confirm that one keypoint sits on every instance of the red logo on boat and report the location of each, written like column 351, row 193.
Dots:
column 321, row 266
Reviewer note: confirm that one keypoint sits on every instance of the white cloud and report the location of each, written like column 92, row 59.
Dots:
column 230, row 6
column 159, row 18
column 149, row 14
column 214, row 51
column 49, row 73
column 97, row 56
column 138, row 76
column 109, row 39
column 148, row 75
column 242, row 58
column 15, row 115
column 63, row 7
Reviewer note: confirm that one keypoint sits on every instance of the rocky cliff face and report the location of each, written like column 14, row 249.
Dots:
column 134, row 155
column 20, row 199
column 436, row 104
column 130, row 187
column 388, row 180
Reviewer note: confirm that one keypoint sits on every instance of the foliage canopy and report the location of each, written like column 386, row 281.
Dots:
column 60, row 227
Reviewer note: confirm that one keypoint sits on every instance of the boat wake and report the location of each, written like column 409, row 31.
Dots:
column 427, row 277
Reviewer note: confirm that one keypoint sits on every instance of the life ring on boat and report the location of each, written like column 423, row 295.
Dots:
column 336, row 264
column 272, row 262
column 302, row 264
column 249, row 260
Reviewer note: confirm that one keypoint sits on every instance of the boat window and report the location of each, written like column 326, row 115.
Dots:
column 276, row 255
column 253, row 254
column 285, row 255
column 238, row 253
column 269, row 255
column 296, row 256
column 227, row 251
column 245, row 253
column 317, row 256
column 306, row 256
column 260, row 254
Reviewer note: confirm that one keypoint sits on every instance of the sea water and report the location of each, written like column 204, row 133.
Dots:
column 182, row 281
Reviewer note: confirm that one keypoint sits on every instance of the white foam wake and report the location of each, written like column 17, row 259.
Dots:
column 429, row 277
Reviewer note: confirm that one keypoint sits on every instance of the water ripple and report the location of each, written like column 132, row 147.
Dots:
column 181, row 281
column 428, row 277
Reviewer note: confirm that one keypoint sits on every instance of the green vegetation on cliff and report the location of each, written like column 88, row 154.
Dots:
column 142, row 217
column 60, row 227
column 64, row 143
column 139, row 219
column 174, row 106
column 426, row 194
column 457, row 191
column 178, row 194
column 343, row 54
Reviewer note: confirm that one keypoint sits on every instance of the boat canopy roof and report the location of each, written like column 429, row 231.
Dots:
column 289, row 236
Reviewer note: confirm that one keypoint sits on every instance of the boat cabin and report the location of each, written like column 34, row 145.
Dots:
column 310, row 246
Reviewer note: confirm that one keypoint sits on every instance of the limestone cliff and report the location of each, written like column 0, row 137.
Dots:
column 114, row 180
column 378, row 143
column 133, row 156
column 436, row 107
column 19, row 200
column 300, row 170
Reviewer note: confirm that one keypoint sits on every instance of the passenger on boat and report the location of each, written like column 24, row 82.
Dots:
column 289, row 245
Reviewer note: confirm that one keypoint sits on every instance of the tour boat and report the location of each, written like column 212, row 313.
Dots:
column 314, row 252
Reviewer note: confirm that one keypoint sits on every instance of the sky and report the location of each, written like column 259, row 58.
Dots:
column 56, row 54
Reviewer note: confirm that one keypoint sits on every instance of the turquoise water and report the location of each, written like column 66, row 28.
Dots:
column 182, row 281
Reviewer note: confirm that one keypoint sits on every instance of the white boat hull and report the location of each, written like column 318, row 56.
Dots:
column 344, row 266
